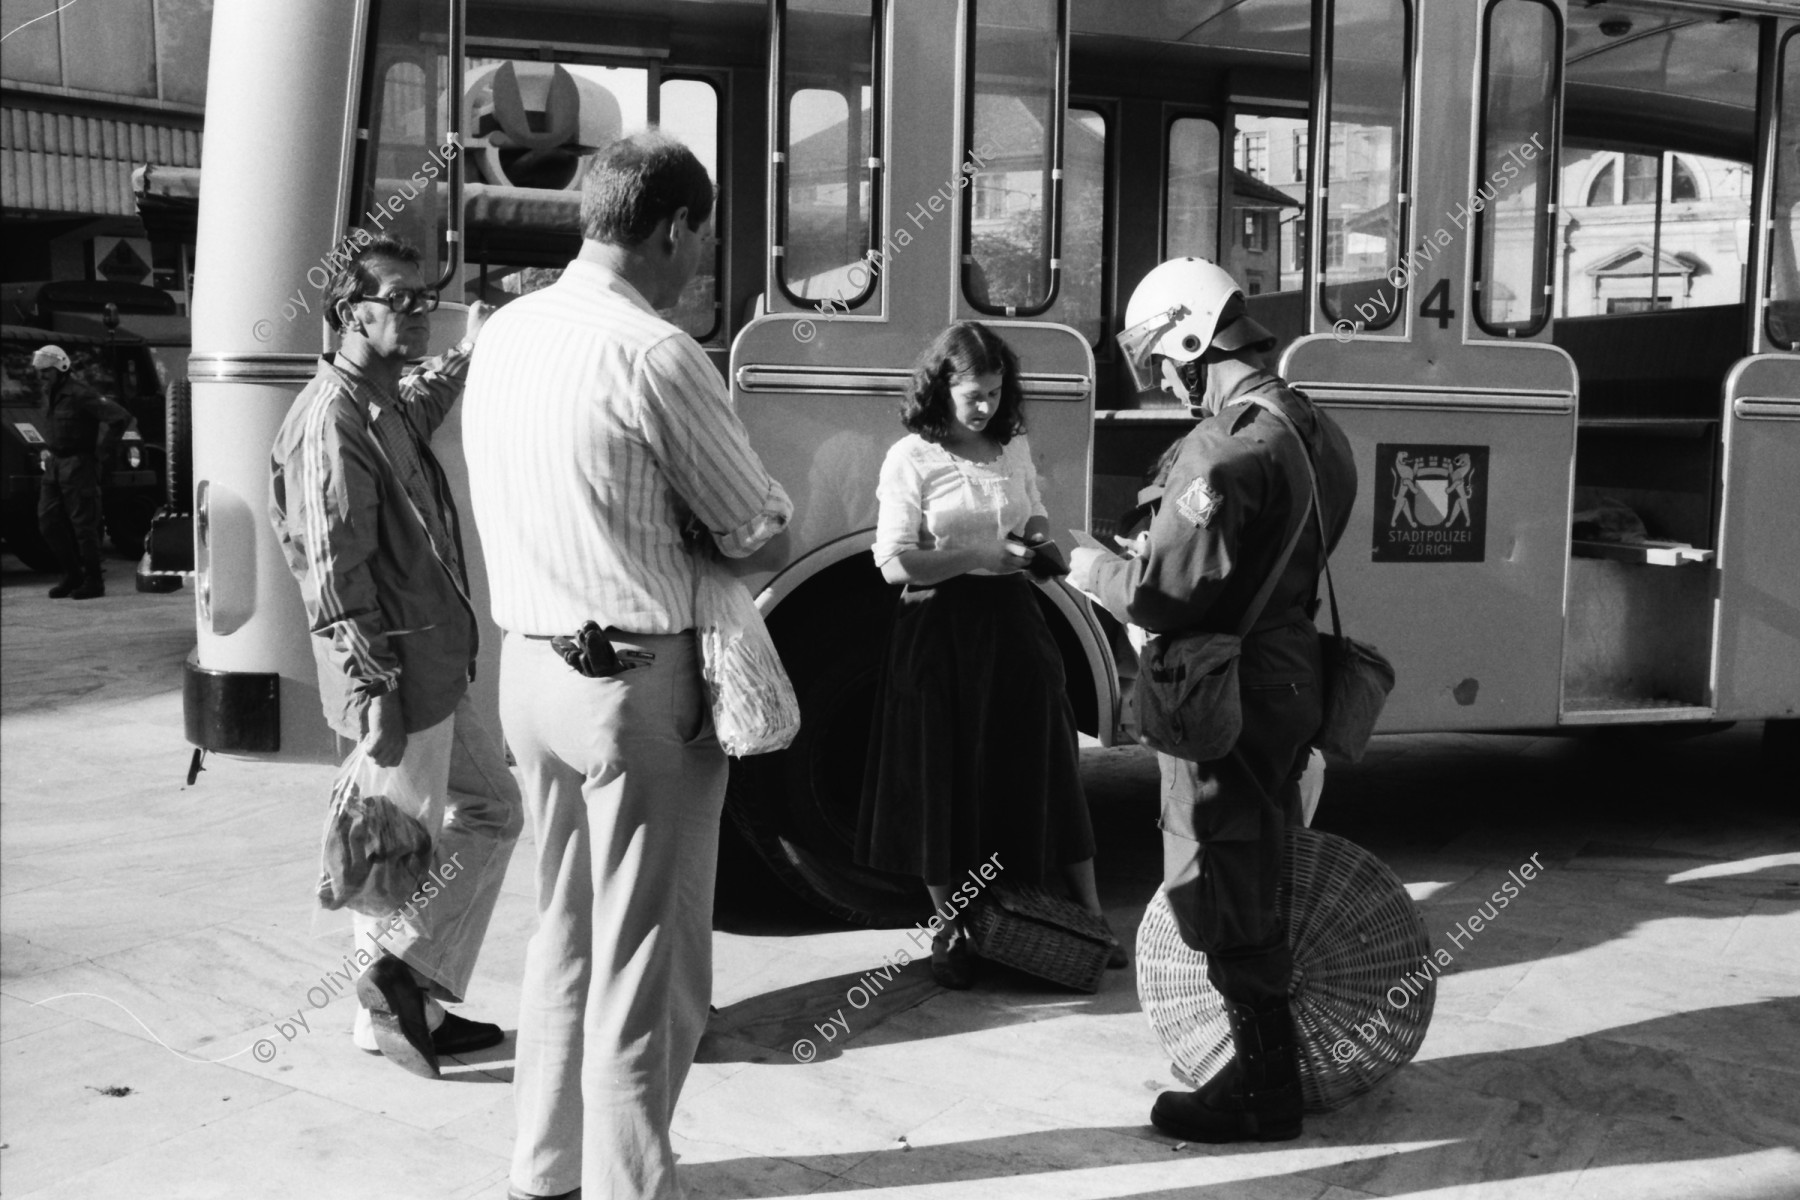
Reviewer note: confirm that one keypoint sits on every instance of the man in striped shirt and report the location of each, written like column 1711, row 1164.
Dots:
column 596, row 432
column 367, row 524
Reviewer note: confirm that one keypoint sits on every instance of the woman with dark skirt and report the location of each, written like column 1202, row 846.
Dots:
column 973, row 756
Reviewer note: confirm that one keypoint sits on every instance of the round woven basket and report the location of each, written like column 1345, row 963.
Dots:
column 1362, row 992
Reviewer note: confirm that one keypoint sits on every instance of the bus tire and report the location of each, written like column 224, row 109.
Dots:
column 798, row 807
column 1781, row 751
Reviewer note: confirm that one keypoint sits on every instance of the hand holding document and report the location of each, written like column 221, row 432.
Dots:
column 1088, row 550
column 1133, row 547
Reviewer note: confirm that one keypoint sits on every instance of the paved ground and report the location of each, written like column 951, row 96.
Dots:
column 1629, row 1027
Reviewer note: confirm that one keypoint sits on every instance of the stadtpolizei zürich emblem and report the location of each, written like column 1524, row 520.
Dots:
column 1434, row 508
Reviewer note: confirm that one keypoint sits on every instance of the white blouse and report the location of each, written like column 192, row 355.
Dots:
column 933, row 500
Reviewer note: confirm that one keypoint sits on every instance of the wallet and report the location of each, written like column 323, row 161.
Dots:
column 1047, row 561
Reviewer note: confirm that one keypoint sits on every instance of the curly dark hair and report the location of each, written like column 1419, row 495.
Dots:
column 967, row 349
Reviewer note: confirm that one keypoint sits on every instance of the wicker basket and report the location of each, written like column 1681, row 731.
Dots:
column 1042, row 934
column 1362, row 995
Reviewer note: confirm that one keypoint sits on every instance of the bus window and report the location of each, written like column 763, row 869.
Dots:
column 1191, row 191
column 535, row 126
column 1013, row 136
column 1514, row 187
column 829, row 55
column 1643, row 232
column 690, row 111
column 532, row 124
column 396, row 195
column 1264, row 245
column 1366, row 160
column 1084, row 222
column 1784, row 270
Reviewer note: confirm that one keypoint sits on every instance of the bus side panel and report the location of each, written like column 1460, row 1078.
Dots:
column 1757, row 658
column 827, row 449
column 1472, row 624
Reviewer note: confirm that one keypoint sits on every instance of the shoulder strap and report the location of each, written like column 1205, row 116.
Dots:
column 1324, row 542
column 1261, row 601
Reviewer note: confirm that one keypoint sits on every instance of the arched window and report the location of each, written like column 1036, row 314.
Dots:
column 1640, row 178
column 1605, row 187
column 1682, row 184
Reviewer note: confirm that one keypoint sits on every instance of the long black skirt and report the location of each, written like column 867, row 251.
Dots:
column 973, row 751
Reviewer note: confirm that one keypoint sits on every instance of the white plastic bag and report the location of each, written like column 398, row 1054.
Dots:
column 378, row 839
column 753, row 704
column 1312, row 786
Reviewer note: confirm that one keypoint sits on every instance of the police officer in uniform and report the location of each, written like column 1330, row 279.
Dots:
column 1232, row 492
column 82, row 430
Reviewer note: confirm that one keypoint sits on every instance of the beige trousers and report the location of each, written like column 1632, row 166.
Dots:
column 624, row 782
column 474, row 815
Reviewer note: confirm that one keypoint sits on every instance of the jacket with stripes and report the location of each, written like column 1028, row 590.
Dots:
column 386, row 610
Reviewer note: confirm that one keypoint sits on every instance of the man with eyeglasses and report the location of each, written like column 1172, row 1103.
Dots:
column 367, row 523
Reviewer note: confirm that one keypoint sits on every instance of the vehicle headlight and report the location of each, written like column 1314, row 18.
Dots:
column 134, row 457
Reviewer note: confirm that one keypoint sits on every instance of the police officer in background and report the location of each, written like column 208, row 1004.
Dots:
column 1233, row 490
column 82, row 430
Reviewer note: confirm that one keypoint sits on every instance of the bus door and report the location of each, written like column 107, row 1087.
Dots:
column 1429, row 345
column 913, row 183
column 1757, row 647
column 1676, row 529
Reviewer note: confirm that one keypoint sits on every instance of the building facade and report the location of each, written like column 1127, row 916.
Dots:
column 90, row 93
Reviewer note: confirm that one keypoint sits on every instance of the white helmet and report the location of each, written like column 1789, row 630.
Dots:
column 1179, row 310
column 50, row 356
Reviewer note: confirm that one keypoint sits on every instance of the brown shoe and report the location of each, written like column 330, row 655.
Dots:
column 69, row 583
column 396, row 1005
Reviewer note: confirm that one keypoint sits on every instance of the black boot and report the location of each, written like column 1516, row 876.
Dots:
column 93, row 583
column 1256, row 1098
column 70, row 581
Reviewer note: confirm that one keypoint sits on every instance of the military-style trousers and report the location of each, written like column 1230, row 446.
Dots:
column 69, row 511
column 1224, row 829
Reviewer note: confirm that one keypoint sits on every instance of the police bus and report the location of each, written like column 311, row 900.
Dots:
column 1536, row 256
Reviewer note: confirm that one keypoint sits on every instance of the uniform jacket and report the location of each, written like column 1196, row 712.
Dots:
column 1230, row 499
column 76, row 417
column 386, row 609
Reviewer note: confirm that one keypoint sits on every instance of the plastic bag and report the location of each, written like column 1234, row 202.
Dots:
column 754, row 709
column 1312, row 786
column 377, row 848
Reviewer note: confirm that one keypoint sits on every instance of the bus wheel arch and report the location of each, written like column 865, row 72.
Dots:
column 798, row 808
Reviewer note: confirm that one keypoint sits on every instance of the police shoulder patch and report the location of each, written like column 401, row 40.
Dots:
column 1199, row 503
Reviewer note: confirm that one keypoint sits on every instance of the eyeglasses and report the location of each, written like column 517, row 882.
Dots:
column 407, row 300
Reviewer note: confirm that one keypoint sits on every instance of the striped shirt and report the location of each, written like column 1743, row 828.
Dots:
column 594, row 429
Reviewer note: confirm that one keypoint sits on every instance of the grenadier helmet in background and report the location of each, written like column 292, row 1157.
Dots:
column 1178, row 312
column 50, row 356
